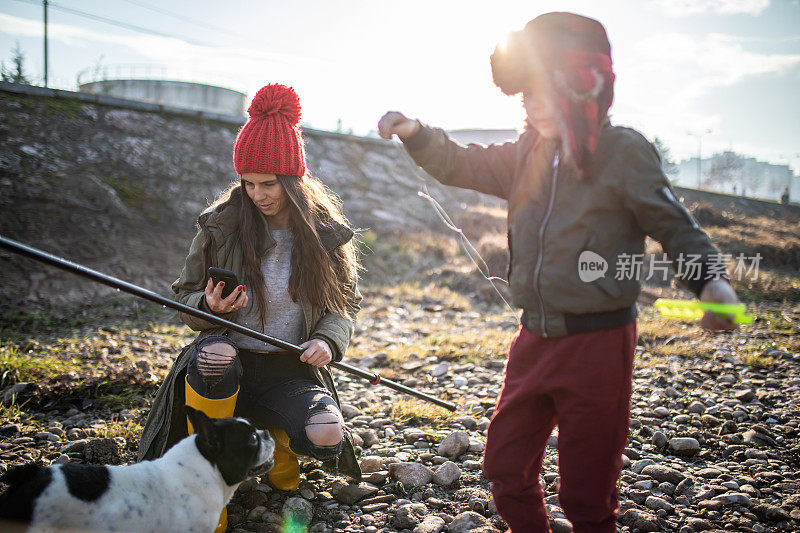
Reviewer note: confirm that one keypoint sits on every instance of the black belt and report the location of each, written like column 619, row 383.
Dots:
column 586, row 322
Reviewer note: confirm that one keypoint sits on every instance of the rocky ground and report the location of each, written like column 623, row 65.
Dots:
column 714, row 443
column 714, row 435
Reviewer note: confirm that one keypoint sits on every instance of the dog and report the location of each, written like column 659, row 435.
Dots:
column 185, row 490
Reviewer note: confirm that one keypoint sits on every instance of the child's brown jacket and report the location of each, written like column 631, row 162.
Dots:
column 553, row 219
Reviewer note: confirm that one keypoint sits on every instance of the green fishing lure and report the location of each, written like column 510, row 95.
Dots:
column 694, row 310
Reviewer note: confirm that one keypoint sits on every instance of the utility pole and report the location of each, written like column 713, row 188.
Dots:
column 44, row 3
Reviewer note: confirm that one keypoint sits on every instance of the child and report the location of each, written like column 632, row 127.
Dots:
column 573, row 183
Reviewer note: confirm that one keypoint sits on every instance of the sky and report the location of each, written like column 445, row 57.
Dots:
column 722, row 74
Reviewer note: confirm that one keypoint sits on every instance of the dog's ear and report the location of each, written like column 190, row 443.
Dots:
column 203, row 426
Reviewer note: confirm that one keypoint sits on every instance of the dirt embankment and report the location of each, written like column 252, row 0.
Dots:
column 119, row 189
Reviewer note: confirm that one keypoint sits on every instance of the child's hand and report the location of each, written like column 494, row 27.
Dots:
column 397, row 123
column 718, row 291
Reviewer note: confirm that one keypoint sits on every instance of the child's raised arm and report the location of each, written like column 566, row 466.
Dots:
column 486, row 169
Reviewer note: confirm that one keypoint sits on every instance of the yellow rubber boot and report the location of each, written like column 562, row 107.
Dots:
column 221, row 408
column 285, row 473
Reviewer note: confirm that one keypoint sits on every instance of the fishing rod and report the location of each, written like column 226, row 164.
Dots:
column 130, row 288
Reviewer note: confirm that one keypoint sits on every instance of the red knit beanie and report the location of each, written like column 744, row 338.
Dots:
column 270, row 141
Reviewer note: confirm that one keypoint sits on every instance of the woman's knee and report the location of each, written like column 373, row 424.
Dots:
column 325, row 428
column 215, row 365
column 214, row 359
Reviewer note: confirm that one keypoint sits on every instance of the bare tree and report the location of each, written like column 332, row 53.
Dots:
column 726, row 169
column 668, row 165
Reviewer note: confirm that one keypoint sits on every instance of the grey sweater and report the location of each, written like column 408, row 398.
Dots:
column 284, row 318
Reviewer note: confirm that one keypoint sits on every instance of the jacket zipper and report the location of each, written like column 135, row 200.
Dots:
column 540, row 258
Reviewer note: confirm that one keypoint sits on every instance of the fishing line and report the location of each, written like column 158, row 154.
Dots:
column 470, row 251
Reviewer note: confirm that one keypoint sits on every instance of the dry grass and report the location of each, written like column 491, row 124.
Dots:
column 679, row 349
column 757, row 360
column 770, row 285
column 129, row 429
column 429, row 294
column 478, row 221
column 33, row 365
column 653, row 328
column 16, row 414
column 404, row 256
column 420, row 414
column 467, row 346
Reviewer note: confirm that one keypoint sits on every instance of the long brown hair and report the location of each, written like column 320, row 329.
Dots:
column 326, row 278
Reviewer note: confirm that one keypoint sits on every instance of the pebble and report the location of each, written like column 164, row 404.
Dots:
column 460, row 381
column 655, row 503
column 637, row 519
column 409, row 516
column 369, row 436
column 454, row 444
column 440, row 369
column 560, row 525
column 412, row 435
column 466, row 522
column 467, row 421
column 374, row 507
column 371, row 463
column 299, row 510
column 470, row 464
column 663, row 473
column 446, row 474
column 61, row 460
column 349, row 411
column 696, row 407
column 639, row 465
column 413, row 474
column 661, row 412
column 684, row 446
column 739, row 498
column 757, row 438
column 349, row 494
column 430, row 524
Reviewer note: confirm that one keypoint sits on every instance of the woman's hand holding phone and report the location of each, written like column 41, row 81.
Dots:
column 214, row 300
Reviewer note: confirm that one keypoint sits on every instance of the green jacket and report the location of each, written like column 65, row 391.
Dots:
column 165, row 423
column 554, row 218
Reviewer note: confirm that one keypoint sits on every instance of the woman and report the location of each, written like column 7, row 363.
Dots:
column 285, row 237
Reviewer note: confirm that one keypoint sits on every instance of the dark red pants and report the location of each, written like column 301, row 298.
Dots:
column 582, row 383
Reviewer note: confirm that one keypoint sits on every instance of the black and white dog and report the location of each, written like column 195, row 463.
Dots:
column 185, row 490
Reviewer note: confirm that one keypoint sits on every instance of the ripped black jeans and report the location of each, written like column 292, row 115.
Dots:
column 275, row 390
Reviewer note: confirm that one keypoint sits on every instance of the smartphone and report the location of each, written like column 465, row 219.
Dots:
column 228, row 276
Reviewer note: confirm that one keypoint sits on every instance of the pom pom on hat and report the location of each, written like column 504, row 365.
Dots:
column 270, row 141
column 276, row 99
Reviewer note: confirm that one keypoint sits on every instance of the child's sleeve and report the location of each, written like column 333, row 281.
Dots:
column 487, row 169
column 649, row 196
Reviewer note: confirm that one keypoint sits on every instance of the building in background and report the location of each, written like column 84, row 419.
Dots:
column 733, row 173
column 157, row 85
column 483, row 136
